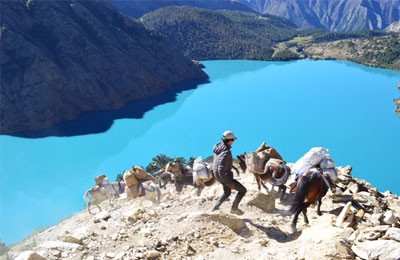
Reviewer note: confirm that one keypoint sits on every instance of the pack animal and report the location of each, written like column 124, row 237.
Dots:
column 310, row 188
column 275, row 172
column 148, row 190
column 102, row 192
column 182, row 175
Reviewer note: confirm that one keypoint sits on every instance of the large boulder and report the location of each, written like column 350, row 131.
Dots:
column 377, row 249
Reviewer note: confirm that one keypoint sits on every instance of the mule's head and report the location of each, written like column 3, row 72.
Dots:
column 173, row 168
column 242, row 162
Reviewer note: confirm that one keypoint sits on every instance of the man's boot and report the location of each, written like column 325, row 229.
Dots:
column 236, row 211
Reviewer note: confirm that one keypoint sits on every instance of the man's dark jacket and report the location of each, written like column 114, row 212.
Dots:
column 223, row 162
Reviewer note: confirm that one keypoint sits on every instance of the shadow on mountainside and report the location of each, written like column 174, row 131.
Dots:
column 94, row 122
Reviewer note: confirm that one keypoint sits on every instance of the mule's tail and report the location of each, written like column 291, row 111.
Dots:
column 301, row 192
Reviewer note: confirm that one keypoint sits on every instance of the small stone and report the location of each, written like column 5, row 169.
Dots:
column 360, row 214
column 29, row 255
column 71, row 239
column 389, row 217
column 263, row 242
column 353, row 187
column 119, row 255
column 110, row 255
column 153, row 254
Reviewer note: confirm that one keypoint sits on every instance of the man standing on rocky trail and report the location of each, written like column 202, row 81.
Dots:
column 222, row 170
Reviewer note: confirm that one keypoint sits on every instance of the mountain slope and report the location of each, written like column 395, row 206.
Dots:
column 207, row 34
column 334, row 15
column 61, row 58
column 383, row 51
column 137, row 8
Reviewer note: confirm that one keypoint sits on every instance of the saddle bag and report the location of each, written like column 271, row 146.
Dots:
column 255, row 162
column 327, row 162
column 269, row 151
column 201, row 170
column 310, row 159
column 139, row 173
column 129, row 178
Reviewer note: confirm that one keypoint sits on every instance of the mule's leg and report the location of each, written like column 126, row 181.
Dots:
column 305, row 215
column 178, row 187
column 88, row 206
column 258, row 181
column 200, row 189
column 265, row 186
column 110, row 200
column 282, row 188
column 97, row 205
column 319, row 207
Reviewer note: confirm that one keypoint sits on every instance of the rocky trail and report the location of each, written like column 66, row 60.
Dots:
column 182, row 226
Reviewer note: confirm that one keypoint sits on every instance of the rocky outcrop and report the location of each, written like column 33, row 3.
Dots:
column 394, row 27
column 334, row 15
column 61, row 58
column 358, row 221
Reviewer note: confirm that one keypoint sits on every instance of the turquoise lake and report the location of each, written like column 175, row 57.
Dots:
column 293, row 106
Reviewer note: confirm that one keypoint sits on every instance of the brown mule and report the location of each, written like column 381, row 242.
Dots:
column 275, row 173
column 310, row 188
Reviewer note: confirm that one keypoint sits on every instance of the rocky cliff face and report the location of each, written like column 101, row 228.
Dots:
column 334, row 15
column 60, row 58
column 182, row 227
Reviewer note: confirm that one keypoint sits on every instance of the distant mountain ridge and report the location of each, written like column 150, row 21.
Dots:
column 223, row 34
column 334, row 15
column 62, row 58
column 137, row 8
